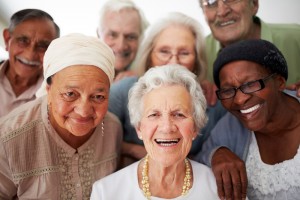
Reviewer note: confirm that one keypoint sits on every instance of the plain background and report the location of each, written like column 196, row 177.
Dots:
column 82, row 15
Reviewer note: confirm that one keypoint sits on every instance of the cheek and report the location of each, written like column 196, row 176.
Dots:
column 148, row 129
column 61, row 109
column 100, row 111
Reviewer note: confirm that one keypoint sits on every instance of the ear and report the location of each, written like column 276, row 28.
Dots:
column 6, row 37
column 138, row 131
column 281, row 82
column 255, row 6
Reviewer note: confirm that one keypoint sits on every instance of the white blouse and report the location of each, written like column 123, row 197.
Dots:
column 272, row 182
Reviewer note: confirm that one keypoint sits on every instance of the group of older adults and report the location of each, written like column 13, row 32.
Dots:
column 133, row 114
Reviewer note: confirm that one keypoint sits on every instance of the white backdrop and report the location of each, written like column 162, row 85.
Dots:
column 82, row 15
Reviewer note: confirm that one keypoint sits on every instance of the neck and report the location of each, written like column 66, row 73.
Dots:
column 19, row 83
column 165, row 182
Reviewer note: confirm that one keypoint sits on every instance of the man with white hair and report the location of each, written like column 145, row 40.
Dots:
column 121, row 26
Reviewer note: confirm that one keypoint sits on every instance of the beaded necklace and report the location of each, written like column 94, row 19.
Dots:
column 145, row 179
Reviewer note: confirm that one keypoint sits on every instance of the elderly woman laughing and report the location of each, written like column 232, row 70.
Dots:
column 167, row 108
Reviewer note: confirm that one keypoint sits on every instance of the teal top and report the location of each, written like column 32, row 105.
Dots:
column 286, row 37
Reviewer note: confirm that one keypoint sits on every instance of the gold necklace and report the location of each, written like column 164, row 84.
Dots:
column 145, row 179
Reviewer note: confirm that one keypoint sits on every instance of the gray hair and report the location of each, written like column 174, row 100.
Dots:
column 28, row 14
column 117, row 6
column 172, row 74
column 142, row 62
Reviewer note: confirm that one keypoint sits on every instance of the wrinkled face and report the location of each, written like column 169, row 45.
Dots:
column 78, row 99
column 231, row 23
column 26, row 46
column 121, row 31
column 254, row 110
column 175, row 44
column 167, row 125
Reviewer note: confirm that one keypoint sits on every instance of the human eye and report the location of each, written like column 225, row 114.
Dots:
column 251, row 86
column 184, row 53
column 112, row 34
column 69, row 95
column 42, row 46
column 226, row 93
column 132, row 37
column 23, row 41
column 153, row 115
column 98, row 98
column 179, row 115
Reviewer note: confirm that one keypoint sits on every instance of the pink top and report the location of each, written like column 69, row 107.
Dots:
column 9, row 101
column 35, row 163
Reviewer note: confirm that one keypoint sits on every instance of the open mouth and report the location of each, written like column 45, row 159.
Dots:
column 166, row 142
column 249, row 110
column 226, row 23
column 28, row 63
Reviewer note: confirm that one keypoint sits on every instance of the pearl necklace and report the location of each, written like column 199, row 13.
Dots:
column 145, row 179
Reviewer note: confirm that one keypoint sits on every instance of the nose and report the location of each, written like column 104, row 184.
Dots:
column 167, row 125
column 241, row 98
column 84, row 108
column 30, row 53
column 222, row 9
column 120, row 44
column 173, row 59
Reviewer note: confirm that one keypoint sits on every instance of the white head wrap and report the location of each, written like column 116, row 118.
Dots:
column 77, row 49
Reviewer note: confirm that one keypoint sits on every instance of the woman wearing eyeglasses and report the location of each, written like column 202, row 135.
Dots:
column 175, row 38
column 262, row 127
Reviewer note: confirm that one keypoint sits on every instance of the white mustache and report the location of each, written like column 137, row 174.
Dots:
column 28, row 62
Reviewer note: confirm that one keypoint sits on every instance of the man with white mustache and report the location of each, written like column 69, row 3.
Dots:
column 26, row 39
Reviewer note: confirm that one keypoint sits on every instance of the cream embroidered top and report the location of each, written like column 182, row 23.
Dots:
column 35, row 163
column 272, row 182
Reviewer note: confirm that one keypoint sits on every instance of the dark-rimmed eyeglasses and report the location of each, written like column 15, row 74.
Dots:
column 214, row 3
column 246, row 88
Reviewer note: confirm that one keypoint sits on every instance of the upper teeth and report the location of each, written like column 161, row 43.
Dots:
column 250, row 109
column 168, row 141
column 227, row 23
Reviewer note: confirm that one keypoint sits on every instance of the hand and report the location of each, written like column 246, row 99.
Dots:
column 124, row 74
column 230, row 173
column 295, row 86
column 209, row 92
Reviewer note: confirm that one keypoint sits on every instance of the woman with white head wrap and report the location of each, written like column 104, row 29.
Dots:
column 56, row 146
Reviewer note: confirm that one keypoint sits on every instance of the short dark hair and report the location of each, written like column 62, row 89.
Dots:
column 27, row 14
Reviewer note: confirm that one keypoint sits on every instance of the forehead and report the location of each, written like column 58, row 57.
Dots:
column 82, row 74
column 241, row 69
column 168, row 95
column 125, row 19
column 175, row 34
column 42, row 28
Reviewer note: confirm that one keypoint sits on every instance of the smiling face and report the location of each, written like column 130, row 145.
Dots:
column 177, row 40
column 78, row 99
column 231, row 23
column 27, row 45
column 167, row 127
column 257, row 109
column 121, row 32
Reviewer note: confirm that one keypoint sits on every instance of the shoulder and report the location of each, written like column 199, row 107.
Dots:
column 205, row 179
column 23, row 118
column 125, row 180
